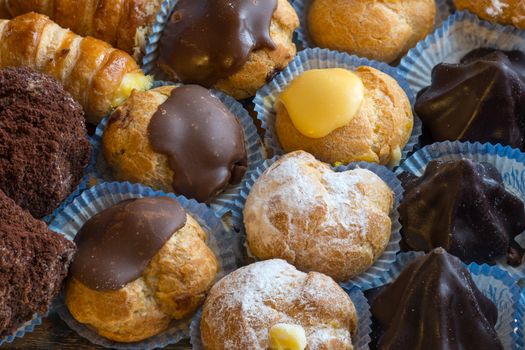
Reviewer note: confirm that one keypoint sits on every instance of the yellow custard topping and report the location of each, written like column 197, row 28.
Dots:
column 322, row 100
column 287, row 337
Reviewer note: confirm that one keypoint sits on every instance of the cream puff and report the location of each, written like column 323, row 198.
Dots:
column 176, row 139
column 381, row 30
column 235, row 47
column 140, row 264
column 336, row 223
column 271, row 305
column 341, row 116
column 500, row 11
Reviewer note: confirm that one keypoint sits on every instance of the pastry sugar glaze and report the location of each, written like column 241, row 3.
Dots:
column 482, row 98
column 433, row 305
column 116, row 245
column 202, row 139
column 207, row 40
column 462, row 206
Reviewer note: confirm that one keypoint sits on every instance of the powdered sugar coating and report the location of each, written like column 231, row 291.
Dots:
column 336, row 223
column 244, row 305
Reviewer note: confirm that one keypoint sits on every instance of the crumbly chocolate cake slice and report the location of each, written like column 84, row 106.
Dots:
column 33, row 264
column 44, row 146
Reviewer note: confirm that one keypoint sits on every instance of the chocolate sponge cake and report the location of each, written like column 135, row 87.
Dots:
column 33, row 264
column 43, row 140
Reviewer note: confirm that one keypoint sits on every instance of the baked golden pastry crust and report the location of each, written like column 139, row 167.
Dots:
column 173, row 286
column 126, row 146
column 377, row 133
column 316, row 219
column 125, row 24
column 243, row 306
column 98, row 76
column 501, row 11
column 382, row 30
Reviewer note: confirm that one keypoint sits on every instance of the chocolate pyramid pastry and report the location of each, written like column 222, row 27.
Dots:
column 462, row 206
column 33, row 264
column 480, row 99
column 433, row 305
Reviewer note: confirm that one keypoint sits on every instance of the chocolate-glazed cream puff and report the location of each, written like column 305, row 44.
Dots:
column 176, row 139
column 145, row 258
column 233, row 46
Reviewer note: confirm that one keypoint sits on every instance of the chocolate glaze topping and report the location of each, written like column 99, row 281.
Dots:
column 203, row 141
column 207, row 40
column 116, row 245
column 462, row 206
column 480, row 99
column 433, row 305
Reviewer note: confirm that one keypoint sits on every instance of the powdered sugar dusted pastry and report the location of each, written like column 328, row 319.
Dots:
column 317, row 219
column 270, row 303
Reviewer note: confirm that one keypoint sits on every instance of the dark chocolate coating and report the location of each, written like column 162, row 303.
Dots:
column 203, row 141
column 480, row 99
column 44, row 146
column 207, row 40
column 462, row 206
column 433, row 305
column 116, row 245
column 33, row 264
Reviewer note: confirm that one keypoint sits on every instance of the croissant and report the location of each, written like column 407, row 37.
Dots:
column 98, row 76
column 125, row 24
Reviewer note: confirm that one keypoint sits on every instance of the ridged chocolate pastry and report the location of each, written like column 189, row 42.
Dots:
column 482, row 98
column 433, row 304
column 464, row 207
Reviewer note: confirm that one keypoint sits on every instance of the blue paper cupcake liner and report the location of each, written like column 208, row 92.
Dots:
column 359, row 341
column 101, row 172
column 320, row 59
column 520, row 319
column 151, row 51
column 496, row 284
column 27, row 327
column 369, row 278
column 69, row 221
column 510, row 162
column 459, row 34
column 443, row 10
